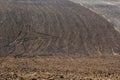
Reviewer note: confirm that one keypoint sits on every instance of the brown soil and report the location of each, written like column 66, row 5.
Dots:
column 37, row 36
column 54, row 27
column 60, row 68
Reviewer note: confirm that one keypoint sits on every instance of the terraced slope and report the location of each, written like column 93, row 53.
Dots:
column 54, row 27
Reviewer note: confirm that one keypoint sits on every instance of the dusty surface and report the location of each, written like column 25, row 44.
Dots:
column 54, row 27
column 37, row 36
column 60, row 68
column 109, row 8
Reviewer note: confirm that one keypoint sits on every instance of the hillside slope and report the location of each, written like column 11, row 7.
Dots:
column 54, row 27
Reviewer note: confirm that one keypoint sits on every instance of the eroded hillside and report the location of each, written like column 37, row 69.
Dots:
column 54, row 27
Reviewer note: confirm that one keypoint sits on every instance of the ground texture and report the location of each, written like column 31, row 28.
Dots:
column 38, row 39
column 60, row 68
column 110, row 9
column 54, row 27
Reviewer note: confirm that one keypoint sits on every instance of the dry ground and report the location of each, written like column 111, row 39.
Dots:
column 54, row 27
column 109, row 8
column 60, row 68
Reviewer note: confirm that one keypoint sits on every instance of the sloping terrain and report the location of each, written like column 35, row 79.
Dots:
column 54, row 27
column 110, row 9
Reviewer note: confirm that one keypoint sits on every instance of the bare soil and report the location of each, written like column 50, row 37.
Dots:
column 38, row 39
column 54, row 27
column 60, row 68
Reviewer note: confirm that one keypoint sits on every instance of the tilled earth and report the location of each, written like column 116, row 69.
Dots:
column 60, row 68
column 36, row 38
column 54, row 27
